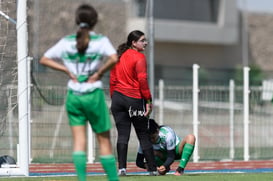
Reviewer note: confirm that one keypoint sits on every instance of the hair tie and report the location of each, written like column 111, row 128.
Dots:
column 84, row 25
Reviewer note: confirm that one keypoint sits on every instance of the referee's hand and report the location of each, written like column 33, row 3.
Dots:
column 149, row 108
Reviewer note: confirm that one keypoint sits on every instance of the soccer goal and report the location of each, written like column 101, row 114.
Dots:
column 14, row 91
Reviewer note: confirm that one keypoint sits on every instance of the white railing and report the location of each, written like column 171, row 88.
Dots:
column 217, row 115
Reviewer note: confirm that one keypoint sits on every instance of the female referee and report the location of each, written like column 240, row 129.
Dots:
column 131, row 99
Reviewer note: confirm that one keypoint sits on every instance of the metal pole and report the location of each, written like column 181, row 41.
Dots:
column 23, row 105
column 151, row 49
column 161, row 101
column 246, row 113
column 231, row 117
column 195, row 92
column 244, row 34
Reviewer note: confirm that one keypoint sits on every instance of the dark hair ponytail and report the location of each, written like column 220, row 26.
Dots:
column 122, row 48
column 83, row 39
column 86, row 19
column 133, row 36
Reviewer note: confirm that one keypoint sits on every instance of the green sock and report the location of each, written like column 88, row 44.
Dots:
column 186, row 154
column 79, row 159
column 109, row 165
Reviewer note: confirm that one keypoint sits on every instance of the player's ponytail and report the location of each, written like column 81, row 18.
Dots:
column 122, row 48
column 86, row 19
column 82, row 38
column 133, row 36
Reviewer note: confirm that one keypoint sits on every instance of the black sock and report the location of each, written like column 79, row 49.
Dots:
column 180, row 169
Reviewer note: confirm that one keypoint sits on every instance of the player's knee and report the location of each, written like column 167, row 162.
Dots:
column 123, row 139
column 190, row 139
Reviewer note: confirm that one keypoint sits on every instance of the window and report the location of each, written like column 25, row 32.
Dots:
column 192, row 10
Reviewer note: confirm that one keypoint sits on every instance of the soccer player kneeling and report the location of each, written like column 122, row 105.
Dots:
column 168, row 147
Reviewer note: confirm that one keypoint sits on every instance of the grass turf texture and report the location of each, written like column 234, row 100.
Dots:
column 186, row 177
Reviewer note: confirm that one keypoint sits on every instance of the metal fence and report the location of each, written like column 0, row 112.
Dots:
column 51, row 139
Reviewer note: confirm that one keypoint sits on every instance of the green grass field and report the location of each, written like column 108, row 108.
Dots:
column 186, row 177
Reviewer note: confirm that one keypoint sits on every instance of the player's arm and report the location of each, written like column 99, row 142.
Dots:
column 109, row 64
column 113, row 80
column 57, row 66
column 163, row 169
column 141, row 69
column 140, row 161
column 170, row 158
column 112, row 58
column 55, row 53
column 53, row 64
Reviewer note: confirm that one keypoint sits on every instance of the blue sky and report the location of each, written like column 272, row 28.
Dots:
column 257, row 5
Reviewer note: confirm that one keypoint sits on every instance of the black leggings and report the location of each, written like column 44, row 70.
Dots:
column 127, row 111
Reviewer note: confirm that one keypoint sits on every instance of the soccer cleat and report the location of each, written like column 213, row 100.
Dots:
column 122, row 172
column 179, row 171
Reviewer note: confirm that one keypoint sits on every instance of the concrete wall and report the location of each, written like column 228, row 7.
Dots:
column 177, row 43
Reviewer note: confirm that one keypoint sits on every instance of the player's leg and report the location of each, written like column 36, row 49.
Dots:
column 185, row 149
column 119, row 108
column 140, row 124
column 123, row 126
column 79, row 154
column 107, row 158
column 77, row 121
column 97, row 113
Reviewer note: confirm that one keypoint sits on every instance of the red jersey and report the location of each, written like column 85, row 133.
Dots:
column 129, row 76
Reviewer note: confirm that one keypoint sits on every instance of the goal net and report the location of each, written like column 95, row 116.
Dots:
column 13, row 123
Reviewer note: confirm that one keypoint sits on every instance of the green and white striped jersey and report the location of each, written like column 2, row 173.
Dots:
column 82, row 64
column 167, row 140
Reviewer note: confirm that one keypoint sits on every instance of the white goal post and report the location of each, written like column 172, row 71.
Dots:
column 22, row 167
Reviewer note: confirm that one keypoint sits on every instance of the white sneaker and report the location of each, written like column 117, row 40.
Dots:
column 122, row 172
column 153, row 173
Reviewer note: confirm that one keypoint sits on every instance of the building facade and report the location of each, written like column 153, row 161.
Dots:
column 187, row 32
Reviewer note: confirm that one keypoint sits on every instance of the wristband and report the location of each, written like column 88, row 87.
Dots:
column 149, row 101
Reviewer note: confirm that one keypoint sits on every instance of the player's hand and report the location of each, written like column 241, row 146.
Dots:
column 73, row 77
column 149, row 108
column 94, row 77
column 162, row 170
